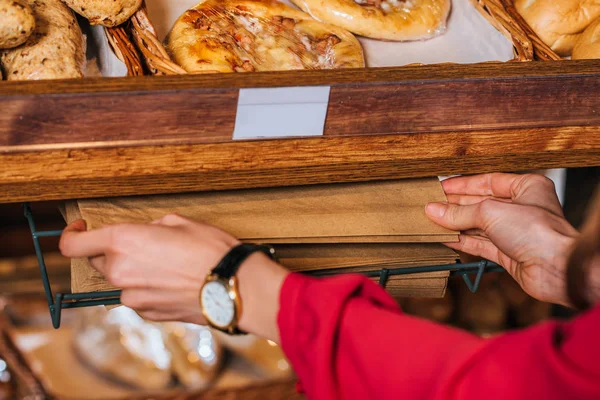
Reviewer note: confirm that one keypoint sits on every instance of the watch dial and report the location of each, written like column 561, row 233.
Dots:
column 218, row 306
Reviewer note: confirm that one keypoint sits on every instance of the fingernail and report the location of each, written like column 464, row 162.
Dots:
column 436, row 210
column 79, row 225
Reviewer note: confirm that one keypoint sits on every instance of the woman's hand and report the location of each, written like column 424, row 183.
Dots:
column 515, row 221
column 161, row 268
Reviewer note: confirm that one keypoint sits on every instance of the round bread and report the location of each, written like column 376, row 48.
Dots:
column 258, row 35
column 16, row 23
column 559, row 22
column 588, row 44
column 55, row 49
column 105, row 12
column 397, row 20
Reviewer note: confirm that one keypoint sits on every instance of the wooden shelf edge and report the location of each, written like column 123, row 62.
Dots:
column 118, row 171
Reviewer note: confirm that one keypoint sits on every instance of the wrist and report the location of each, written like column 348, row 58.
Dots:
column 260, row 280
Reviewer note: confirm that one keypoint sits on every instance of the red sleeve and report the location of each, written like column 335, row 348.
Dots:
column 347, row 339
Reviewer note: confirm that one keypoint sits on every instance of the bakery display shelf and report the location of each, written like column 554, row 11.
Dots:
column 105, row 137
column 59, row 301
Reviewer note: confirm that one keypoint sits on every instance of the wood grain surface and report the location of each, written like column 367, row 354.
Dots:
column 140, row 135
column 142, row 111
column 111, row 171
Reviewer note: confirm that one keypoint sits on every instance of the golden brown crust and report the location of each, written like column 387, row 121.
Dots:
column 55, row 49
column 255, row 35
column 588, row 44
column 559, row 23
column 397, row 20
column 105, row 12
column 16, row 23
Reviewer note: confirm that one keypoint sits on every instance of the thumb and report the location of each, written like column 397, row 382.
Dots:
column 456, row 217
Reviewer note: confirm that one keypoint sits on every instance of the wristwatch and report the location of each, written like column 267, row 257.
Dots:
column 220, row 300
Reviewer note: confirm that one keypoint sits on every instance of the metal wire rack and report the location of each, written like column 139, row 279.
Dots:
column 58, row 301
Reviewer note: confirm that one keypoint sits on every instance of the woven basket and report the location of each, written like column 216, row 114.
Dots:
column 504, row 17
column 135, row 42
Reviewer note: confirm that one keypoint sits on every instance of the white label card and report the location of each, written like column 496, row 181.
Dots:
column 281, row 112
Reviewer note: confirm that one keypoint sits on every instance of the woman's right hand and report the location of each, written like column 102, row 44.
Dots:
column 515, row 221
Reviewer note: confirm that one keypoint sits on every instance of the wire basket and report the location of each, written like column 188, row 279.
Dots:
column 59, row 301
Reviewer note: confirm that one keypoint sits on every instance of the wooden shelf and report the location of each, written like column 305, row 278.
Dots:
column 127, row 136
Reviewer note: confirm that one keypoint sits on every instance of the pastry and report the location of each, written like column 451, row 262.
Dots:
column 16, row 23
column 588, row 44
column 105, row 12
column 120, row 344
column 196, row 354
column 559, row 23
column 55, row 49
column 255, row 35
column 397, row 20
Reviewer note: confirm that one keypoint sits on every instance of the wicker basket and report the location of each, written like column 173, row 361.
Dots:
column 135, row 42
column 505, row 18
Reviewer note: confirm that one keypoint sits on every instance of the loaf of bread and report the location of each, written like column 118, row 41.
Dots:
column 105, row 12
column 55, row 49
column 16, row 23
column 559, row 23
column 588, row 44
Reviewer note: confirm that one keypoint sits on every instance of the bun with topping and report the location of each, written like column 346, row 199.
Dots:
column 258, row 35
column 398, row 20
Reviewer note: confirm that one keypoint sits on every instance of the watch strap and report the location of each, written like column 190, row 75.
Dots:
column 232, row 261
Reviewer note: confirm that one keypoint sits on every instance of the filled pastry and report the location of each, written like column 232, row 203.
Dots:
column 196, row 354
column 397, row 20
column 258, row 35
column 120, row 344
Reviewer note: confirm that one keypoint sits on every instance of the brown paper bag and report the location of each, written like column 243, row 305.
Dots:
column 372, row 212
column 356, row 210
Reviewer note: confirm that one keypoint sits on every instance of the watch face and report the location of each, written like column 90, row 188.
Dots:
column 218, row 307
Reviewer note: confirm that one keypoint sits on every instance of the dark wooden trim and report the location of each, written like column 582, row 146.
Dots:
column 416, row 74
column 193, row 110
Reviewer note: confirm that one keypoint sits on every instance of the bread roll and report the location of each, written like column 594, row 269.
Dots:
column 382, row 19
column 120, row 344
column 559, row 23
column 249, row 35
column 55, row 49
column 588, row 44
column 105, row 12
column 16, row 23
column 196, row 355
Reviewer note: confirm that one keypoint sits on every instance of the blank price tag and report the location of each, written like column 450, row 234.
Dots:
column 281, row 112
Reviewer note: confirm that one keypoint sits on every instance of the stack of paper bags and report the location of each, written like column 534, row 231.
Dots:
column 339, row 227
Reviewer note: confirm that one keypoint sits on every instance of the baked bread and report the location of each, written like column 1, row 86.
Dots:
column 105, row 12
column 16, row 23
column 55, row 49
column 588, row 44
column 559, row 23
column 196, row 355
column 120, row 344
column 398, row 20
column 255, row 35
